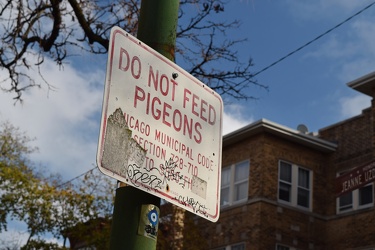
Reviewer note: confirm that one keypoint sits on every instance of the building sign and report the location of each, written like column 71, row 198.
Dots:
column 355, row 179
column 161, row 128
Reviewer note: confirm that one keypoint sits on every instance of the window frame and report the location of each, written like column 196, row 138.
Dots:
column 233, row 184
column 229, row 247
column 294, row 185
column 284, row 246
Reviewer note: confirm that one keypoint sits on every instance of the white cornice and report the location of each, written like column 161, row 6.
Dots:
column 266, row 126
column 364, row 84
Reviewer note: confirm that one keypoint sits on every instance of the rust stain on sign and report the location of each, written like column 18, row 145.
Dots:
column 120, row 149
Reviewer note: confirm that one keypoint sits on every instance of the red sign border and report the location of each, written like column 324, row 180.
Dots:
column 118, row 31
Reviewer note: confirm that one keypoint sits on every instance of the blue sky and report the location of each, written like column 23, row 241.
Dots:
column 309, row 87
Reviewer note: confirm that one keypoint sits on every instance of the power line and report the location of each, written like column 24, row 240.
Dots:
column 74, row 178
column 266, row 68
column 315, row 39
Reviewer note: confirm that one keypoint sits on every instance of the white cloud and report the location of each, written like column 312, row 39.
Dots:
column 364, row 30
column 349, row 50
column 328, row 9
column 17, row 235
column 64, row 122
column 355, row 69
column 13, row 239
column 352, row 106
column 359, row 48
column 334, row 48
column 234, row 118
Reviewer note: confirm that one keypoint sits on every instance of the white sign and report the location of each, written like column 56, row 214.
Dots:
column 161, row 128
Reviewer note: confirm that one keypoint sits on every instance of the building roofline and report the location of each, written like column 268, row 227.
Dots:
column 267, row 126
column 345, row 121
column 364, row 84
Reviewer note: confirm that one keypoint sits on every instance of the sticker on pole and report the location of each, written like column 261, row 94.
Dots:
column 161, row 128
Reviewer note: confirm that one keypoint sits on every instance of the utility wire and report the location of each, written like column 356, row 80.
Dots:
column 63, row 184
column 266, row 68
column 315, row 39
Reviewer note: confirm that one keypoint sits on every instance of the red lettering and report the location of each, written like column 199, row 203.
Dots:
column 139, row 95
column 186, row 91
column 203, row 110
column 164, row 92
column 194, row 105
column 124, row 66
column 152, row 77
column 211, row 115
column 136, row 59
column 148, row 103
column 123, row 51
column 177, row 124
column 170, row 117
column 198, row 136
column 156, row 113
column 166, row 114
column 205, row 161
column 199, row 107
column 188, row 127
column 136, row 125
column 164, row 83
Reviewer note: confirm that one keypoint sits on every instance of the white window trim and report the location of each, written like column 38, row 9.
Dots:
column 282, row 245
column 232, row 184
column 229, row 247
column 355, row 199
column 294, row 187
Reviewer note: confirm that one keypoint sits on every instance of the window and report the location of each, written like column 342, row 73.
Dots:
column 240, row 246
column 234, row 183
column 295, row 185
column 357, row 199
column 282, row 247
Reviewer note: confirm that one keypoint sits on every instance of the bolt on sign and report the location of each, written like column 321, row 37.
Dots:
column 161, row 128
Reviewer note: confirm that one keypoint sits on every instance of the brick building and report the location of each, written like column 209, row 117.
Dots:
column 278, row 186
column 278, row 189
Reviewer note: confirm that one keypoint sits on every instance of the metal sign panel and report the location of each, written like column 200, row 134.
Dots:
column 161, row 128
column 357, row 178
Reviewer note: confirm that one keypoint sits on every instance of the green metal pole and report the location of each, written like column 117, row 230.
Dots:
column 157, row 28
column 157, row 25
column 126, row 219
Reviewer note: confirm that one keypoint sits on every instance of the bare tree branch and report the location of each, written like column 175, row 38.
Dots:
column 34, row 29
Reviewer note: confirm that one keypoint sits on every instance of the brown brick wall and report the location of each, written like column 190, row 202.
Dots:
column 238, row 224
column 248, row 150
column 354, row 138
column 278, row 149
column 263, row 222
column 352, row 231
column 281, row 224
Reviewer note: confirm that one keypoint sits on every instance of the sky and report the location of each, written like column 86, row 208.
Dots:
column 309, row 87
